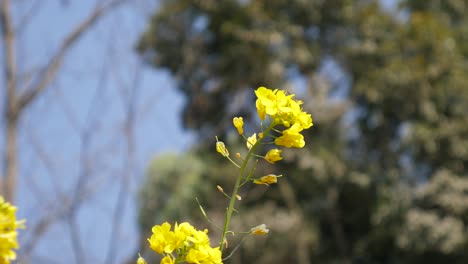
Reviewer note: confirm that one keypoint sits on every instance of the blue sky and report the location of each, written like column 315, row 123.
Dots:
column 102, row 65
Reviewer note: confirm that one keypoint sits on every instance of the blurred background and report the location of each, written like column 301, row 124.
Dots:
column 110, row 109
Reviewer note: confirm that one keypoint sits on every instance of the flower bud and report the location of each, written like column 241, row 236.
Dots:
column 239, row 124
column 268, row 179
column 259, row 230
column 221, row 148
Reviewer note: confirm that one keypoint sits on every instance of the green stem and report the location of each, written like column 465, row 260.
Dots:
column 232, row 202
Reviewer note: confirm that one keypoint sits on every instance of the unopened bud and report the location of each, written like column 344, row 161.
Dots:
column 259, row 230
column 221, row 148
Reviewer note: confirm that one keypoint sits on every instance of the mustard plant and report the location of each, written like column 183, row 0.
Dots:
column 282, row 120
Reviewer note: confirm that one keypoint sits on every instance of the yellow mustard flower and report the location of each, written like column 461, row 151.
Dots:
column 221, row 148
column 273, row 156
column 267, row 180
column 291, row 137
column 298, row 116
column 259, row 230
column 265, row 97
column 163, row 239
column 184, row 230
column 271, row 102
column 239, row 124
column 199, row 237
column 251, row 141
column 204, row 255
column 8, row 233
column 184, row 238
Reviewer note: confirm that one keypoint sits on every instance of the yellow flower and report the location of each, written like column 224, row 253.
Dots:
column 265, row 97
column 167, row 260
column 204, row 255
column 184, row 238
column 304, row 119
column 195, row 256
column 199, row 237
column 8, row 233
column 259, row 230
column 273, row 156
column 164, row 240
column 221, row 148
column 291, row 137
column 267, row 180
column 239, row 124
column 251, row 141
column 184, row 229
column 296, row 115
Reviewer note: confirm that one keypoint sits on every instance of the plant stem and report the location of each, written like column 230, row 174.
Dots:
column 237, row 186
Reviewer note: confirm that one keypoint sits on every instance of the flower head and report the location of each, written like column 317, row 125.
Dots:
column 259, row 230
column 283, row 110
column 268, row 179
column 239, row 124
column 8, row 233
column 273, row 156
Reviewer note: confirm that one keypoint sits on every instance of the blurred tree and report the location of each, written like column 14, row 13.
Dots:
column 383, row 178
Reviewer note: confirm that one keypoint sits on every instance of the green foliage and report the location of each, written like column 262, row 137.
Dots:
column 384, row 179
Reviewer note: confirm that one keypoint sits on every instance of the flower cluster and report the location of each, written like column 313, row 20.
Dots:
column 183, row 244
column 283, row 110
column 8, row 234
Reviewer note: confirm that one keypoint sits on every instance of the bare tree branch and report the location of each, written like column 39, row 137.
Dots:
column 11, row 113
column 49, row 72
column 15, row 103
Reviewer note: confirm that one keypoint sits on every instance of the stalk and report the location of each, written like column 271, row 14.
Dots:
column 232, row 200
